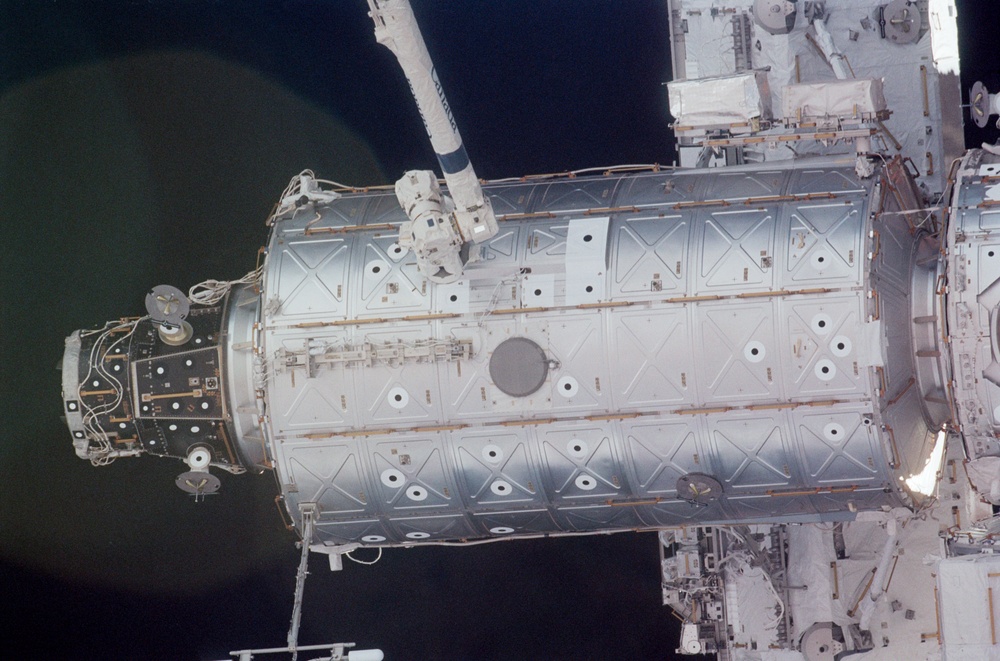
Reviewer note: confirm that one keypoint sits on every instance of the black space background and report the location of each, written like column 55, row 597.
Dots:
column 144, row 142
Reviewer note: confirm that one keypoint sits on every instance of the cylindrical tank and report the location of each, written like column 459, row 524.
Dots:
column 632, row 350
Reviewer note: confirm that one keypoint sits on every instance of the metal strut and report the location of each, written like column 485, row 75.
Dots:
column 308, row 511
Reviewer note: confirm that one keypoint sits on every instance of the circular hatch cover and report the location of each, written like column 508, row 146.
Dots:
column 518, row 366
column 698, row 488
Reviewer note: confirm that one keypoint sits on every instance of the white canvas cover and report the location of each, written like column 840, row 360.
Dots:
column 833, row 98
column 720, row 100
column 963, row 587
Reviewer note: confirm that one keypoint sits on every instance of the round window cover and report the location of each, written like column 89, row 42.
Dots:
column 168, row 304
column 198, row 483
column 979, row 108
column 518, row 367
column 699, row 488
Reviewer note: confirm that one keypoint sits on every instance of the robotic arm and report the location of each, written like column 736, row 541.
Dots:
column 441, row 229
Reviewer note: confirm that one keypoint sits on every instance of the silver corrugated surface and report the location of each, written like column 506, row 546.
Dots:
column 699, row 322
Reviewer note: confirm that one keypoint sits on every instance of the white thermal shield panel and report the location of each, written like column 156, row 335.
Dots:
column 720, row 100
column 834, row 98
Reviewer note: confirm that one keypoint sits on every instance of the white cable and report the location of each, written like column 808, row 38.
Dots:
column 729, row 531
column 625, row 168
column 336, row 184
column 781, row 604
column 210, row 292
column 101, row 455
column 495, row 297
column 365, row 562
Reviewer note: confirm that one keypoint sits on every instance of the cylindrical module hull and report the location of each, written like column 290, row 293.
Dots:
column 699, row 347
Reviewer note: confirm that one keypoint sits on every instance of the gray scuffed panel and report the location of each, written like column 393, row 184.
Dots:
column 413, row 474
column 754, row 451
column 738, row 185
column 769, row 507
column 384, row 208
column 510, row 198
column 824, row 346
column 496, row 469
column 733, row 249
column 307, row 279
column 546, row 243
column 738, row 350
column 907, row 437
column 650, row 256
column 894, row 258
column 330, row 474
column 501, row 253
column 680, row 512
column 653, row 358
column 839, row 446
column 368, row 531
column 574, row 195
column 658, row 190
column 299, row 402
column 515, row 522
column 343, row 212
column 820, row 181
column 824, row 246
column 385, row 280
column 580, row 463
column 403, row 391
column 662, row 451
column 437, row 527
column 581, row 382
column 597, row 517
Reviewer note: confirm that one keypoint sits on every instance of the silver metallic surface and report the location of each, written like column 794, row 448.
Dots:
column 743, row 345
column 242, row 375
column 973, row 242
column 70, row 386
column 751, row 325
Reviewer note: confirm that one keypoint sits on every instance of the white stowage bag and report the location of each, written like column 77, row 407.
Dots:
column 833, row 98
column 985, row 476
column 810, row 551
column 721, row 100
